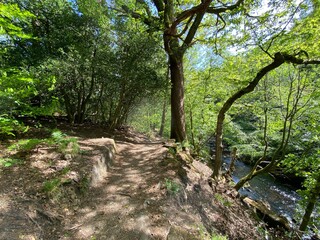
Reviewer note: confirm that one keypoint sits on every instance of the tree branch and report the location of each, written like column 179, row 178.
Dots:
column 217, row 10
column 128, row 12
column 278, row 59
column 184, row 29
column 187, row 13
column 265, row 51
column 195, row 25
column 283, row 29
column 159, row 5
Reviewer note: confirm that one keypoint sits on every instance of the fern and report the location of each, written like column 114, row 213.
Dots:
column 58, row 136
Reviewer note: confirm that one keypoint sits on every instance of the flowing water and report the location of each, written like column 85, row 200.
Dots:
column 281, row 197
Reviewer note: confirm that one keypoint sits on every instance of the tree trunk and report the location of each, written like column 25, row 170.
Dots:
column 163, row 117
column 310, row 206
column 70, row 109
column 178, row 129
column 219, row 147
column 192, row 131
column 233, row 161
column 165, row 101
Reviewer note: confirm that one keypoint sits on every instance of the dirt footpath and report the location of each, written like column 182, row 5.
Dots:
column 128, row 204
column 147, row 193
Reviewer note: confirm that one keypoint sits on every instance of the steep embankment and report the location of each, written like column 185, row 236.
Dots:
column 146, row 193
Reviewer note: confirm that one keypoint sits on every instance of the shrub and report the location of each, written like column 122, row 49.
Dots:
column 10, row 126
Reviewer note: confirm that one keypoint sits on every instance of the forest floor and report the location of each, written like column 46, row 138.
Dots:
column 147, row 193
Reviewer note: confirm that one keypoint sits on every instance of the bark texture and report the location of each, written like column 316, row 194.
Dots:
column 178, row 130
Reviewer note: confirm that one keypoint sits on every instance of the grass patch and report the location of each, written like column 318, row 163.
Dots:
column 53, row 189
column 172, row 187
column 25, row 144
column 51, row 186
column 204, row 235
column 65, row 170
column 222, row 200
column 218, row 237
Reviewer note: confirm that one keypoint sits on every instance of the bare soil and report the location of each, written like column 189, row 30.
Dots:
column 148, row 193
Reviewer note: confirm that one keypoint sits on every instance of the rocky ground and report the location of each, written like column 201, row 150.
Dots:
column 147, row 192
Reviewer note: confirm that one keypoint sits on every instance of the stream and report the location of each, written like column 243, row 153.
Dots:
column 281, row 197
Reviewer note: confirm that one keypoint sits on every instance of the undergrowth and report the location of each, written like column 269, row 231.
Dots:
column 8, row 162
column 25, row 144
column 172, row 187
column 63, row 142
column 204, row 235
column 10, row 126
column 221, row 199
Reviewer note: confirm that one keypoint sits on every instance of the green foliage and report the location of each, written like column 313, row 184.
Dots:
column 16, row 83
column 65, row 144
column 146, row 116
column 71, row 146
column 304, row 161
column 25, row 145
column 51, row 186
column 172, row 187
column 309, row 168
column 221, row 199
column 172, row 151
column 10, row 126
column 10, row 16
column 181, row 146
column 202, row 232
column 58, row 136
column 20, row 91
column 204, row 235
column 216, row 236
column 8, row 162
column 65, row 170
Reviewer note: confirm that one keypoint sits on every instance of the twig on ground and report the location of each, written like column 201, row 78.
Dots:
column 34, row 221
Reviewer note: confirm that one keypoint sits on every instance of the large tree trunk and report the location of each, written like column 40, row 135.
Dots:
column 178, row 129
column 175, row 51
